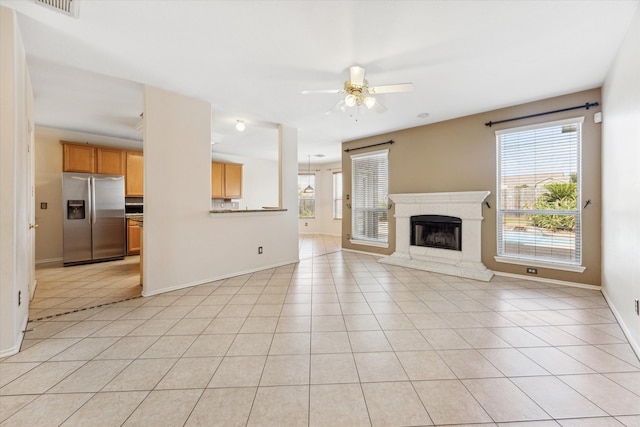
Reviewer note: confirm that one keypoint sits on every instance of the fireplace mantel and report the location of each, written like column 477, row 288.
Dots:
column 466, row 205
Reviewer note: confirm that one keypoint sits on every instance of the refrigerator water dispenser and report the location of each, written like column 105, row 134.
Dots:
column 75, row 209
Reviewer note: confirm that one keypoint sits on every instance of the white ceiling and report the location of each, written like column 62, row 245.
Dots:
column 252, row 59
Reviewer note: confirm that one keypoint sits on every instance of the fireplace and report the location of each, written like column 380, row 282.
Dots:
column 440, row 232
column 436, row 231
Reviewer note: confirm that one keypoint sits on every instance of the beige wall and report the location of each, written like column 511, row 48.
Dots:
column 460, row 155
column 48, row 184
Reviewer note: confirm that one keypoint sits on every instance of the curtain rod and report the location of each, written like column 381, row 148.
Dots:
column 587, row 106
column 368, row 146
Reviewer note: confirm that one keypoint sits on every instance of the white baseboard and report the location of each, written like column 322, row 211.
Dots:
column 213, row 279
column 364, row 252
column 634, row 344
column 32, row 290
column 16, row 347
column 550, row 281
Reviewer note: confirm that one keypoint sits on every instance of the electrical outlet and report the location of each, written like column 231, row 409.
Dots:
column 637, row 307
column 531, row 270
column 259, row 250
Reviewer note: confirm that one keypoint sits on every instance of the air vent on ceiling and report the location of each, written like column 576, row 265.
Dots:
column 68, row 7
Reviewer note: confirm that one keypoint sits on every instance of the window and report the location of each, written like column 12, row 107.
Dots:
column 370, row 206
column 306, row 201
column 538, row 194
column 337, row 195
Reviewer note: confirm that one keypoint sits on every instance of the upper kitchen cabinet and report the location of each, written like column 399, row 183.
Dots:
column 217, row 180
column 110, row 161
column 226, row 180
column 84, row 158
column 78, row 158
column 134, row 177
column 233, row 181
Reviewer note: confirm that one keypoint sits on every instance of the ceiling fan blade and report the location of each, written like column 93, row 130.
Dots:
column 400, row 87
column 356, row 75
column 340, row 107
column 307, row 92
column 378, row 107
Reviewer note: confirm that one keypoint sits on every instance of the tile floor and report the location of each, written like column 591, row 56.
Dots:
column 62, row 290
column 65, row 289
column 334, row 340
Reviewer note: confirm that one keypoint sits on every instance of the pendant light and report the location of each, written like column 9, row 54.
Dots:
column 309, row 188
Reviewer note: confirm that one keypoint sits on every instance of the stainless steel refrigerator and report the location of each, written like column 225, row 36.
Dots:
column 94, row 222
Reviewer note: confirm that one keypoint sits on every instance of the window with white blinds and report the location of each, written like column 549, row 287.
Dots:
column 337, row 195
column 369, row 204
column 538, row 192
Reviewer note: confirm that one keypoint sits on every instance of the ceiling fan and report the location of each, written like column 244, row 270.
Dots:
column 358, row 92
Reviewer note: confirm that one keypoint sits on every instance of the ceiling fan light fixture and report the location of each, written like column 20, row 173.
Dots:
column 370, row 102
column 350, row 100
column 240, row 126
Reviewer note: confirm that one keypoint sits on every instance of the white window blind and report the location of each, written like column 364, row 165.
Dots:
column 370, row 183
column 539, row 192
column 337, row 195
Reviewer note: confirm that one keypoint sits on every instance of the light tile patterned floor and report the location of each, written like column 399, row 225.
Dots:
column 335, row 340
column 66, row 289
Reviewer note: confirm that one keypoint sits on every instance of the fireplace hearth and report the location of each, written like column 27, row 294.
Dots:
column 448, row 242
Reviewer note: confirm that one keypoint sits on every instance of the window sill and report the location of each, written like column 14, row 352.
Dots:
column 541, row 264
column 368, row 243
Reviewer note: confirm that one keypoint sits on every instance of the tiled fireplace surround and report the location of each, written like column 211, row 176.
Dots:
column 466, row 205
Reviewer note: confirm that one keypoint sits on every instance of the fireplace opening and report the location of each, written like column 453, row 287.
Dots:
column 436, row 231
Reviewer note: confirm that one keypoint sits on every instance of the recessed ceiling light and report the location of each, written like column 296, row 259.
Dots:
column 319, row 155
column 240, row 126
column 423, row 115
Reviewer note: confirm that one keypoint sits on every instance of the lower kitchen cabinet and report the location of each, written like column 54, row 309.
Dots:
column 133, row 237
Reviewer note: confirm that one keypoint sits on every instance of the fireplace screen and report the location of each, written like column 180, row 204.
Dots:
column 436, row 231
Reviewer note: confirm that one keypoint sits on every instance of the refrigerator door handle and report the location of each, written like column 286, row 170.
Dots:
column 93, row 200
column 89, row 200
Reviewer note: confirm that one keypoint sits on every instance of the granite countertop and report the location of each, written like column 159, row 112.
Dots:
column 135, row 217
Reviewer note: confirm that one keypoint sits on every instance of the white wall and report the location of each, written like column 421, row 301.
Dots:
column 16, row 158
column 260, row 185
column 323, row 223
column 621, row 183
column 184, row 244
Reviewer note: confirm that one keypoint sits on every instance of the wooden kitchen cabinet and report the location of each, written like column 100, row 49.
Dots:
column 110, row 161
column 226, row 180
column 134, row 176
column 133, row 237
column 217, row 180
column 78, row 158
column 232, row 181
